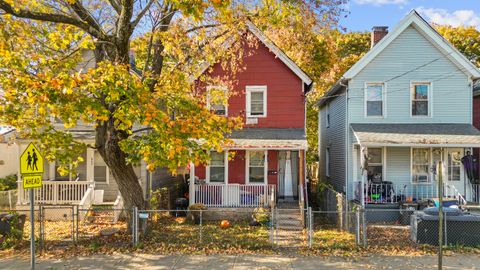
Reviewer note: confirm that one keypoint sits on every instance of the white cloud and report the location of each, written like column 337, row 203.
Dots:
column 456, row 18
column 381, row 2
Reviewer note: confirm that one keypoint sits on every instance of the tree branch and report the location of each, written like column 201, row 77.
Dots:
column 51, row 17
column 142, row 13
column 84, row 15
column 203, row 27
column 115, row 5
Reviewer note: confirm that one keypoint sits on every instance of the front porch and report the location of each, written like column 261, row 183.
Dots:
column 241, row 178
column 400, row 163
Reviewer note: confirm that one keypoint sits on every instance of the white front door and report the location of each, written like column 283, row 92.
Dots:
column 288, row 176
column 454, row 171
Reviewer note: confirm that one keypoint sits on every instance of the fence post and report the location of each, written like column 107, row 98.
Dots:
column 134, row 229
column 271, row 225
column 364, row 226
column 201, row 224
column 357, row 227
column 310, row 227
column 76, row 223
column 41, row 229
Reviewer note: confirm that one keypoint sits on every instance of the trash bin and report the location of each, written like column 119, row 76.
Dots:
column 406, row 211
column 9, row 220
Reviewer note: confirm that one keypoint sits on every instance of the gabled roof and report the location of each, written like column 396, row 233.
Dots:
column 424, row 28
column 274, row 49
column 279, row 53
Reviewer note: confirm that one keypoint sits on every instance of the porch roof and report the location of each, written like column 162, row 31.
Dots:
column 440, row 135
column 268, row 138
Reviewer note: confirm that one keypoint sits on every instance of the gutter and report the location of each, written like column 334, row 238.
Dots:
column 342, row 82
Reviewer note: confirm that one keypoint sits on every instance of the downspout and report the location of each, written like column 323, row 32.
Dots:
column 347, row 140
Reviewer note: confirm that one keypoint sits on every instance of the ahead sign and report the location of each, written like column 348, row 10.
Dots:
column 32, row 181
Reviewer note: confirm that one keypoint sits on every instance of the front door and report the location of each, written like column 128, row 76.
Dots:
column 454, row 171
column 288, row 174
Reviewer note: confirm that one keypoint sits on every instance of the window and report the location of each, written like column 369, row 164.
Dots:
column 454, row 165
column 375, row 164
column 256, row 101
column 374, row 97
column 327, row 162
column 327, row 115
column 217, row 99
column 100, row 170
column 256, row 167
column 79, row 175
column 420, row 165
column 217, row 167
column 419, row 98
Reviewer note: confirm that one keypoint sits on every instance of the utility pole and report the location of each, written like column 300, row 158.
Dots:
column 440, row 215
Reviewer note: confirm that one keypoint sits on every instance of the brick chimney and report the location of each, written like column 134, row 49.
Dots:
column 378, row 32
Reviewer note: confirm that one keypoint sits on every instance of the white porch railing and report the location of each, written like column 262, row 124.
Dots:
column 117, row 208
column 56, row 192
column 393, row 193
column 234, row 195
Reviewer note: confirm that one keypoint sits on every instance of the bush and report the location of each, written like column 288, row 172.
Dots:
column 194, row 213
column 261, row 215
column 8, row 182
column 159, row 199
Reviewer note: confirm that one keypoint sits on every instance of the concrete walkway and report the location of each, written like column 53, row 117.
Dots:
column 222, row 262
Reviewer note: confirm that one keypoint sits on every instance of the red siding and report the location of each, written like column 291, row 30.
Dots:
column 285, row 100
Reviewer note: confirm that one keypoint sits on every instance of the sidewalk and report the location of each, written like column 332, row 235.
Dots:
column 240, row 262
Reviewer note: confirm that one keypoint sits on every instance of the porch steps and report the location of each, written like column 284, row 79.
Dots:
column 289, row 225
column 101, row 213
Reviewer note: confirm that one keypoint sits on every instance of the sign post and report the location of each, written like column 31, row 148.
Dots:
column 31, row 168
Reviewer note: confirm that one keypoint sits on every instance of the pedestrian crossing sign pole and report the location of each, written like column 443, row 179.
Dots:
column 31, row 169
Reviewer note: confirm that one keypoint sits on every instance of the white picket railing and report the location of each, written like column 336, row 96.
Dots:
column 56, row 192
column 86, row 202
column 117, row 208
column 234, row 195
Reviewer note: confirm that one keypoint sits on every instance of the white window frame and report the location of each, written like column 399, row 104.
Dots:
column 327, row 162
column 448, row 165
column 225, row 165
column 429, row 170
column 327, row 115
column 249, row 89
column 247, row 167
column 382, row 163
column 384, row 99
column 226, row 97
column 429, row 100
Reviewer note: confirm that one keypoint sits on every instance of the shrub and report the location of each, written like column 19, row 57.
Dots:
column 261, row 215
column 8, row 182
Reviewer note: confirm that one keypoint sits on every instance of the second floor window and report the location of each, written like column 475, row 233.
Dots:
column 256, row 101
column 217, row 99
column 420, row 98
column 374, row 96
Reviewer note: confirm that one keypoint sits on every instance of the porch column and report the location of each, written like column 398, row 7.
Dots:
column 191, row 187
column 364, row 165
column 90, row 164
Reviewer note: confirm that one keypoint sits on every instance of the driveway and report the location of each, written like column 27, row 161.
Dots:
column 237, row 262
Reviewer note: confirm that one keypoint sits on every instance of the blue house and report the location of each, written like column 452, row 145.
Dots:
column 402, row 108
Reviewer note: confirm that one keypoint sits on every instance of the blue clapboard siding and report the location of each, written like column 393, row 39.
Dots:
column 450, row 86
column 333, row 137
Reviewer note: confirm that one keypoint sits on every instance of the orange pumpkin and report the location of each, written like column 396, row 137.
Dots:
column 224, row 224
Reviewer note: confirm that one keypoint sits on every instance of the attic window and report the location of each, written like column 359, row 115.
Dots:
column 420, row 96
column 374, row 97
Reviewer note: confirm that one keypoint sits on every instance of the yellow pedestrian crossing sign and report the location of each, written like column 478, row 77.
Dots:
column 31, row 161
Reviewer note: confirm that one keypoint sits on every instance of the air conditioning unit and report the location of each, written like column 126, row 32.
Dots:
column 421, row 178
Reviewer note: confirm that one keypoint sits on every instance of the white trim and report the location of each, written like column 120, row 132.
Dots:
column 225, row 168
column 255, row 88
column 430, row 177
column 223, row 88
column 429, row 100
column 247, row 167
column 279, row 53
column 366, row 84
column 413, row 18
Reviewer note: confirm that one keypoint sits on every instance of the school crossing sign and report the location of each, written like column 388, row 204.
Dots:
column 31, row 167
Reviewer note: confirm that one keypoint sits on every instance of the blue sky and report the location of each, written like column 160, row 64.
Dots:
column 367, row 13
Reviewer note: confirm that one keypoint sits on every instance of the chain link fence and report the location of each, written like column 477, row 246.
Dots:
column 405, row 230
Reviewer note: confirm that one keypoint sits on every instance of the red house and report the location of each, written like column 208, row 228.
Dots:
column 269, row 153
